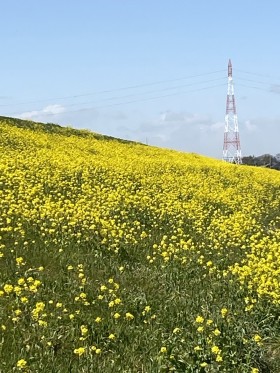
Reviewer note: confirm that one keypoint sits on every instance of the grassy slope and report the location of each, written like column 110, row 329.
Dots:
column 53, row 128
column 170, row 229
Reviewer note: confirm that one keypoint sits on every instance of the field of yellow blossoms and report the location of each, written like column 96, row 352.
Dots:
column 120, row 257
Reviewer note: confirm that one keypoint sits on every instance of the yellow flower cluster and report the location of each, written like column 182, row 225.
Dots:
column 71, row 201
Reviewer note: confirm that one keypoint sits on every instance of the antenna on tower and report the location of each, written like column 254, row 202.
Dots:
column 231, row 149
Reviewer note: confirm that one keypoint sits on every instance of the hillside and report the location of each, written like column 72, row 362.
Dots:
column 120, row 257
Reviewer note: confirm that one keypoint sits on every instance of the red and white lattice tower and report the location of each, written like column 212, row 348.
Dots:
column 232, row 149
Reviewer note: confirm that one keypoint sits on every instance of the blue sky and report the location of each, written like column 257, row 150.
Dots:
column 152, row 71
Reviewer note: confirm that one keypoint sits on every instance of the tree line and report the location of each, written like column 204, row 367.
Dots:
column 265, row 160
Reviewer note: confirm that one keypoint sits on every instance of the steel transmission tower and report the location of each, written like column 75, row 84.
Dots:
column 232, row 149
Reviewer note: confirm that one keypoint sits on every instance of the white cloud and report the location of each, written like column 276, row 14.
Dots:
column 200, row 134
column 275, row 88
column 184, row 131
column 116, row 115
column 249, row 126
column 183, row 118
column 260, row 135
column 217, row 126
column 49, row 110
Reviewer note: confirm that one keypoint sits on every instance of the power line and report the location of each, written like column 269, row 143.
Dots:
column 253, row 81
column 127, row 102
column 254, row 87
column 157, row 97
column 115, row 89
column 138, row 94
column 258, row 74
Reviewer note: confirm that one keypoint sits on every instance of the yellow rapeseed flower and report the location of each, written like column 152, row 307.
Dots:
column 20, row 261
column 8, row 288
column 258, row 339
column 79, row 351
column 129, row 316
column 216, row 332
column 84, row 330
column 22, row 364
column 215, row 350
column 199, row 319
column 224, row 312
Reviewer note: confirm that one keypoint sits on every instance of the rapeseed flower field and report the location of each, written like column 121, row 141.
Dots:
column 120, row 257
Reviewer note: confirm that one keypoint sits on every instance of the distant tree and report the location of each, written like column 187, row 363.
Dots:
column 264, row 160
column 249, row 160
